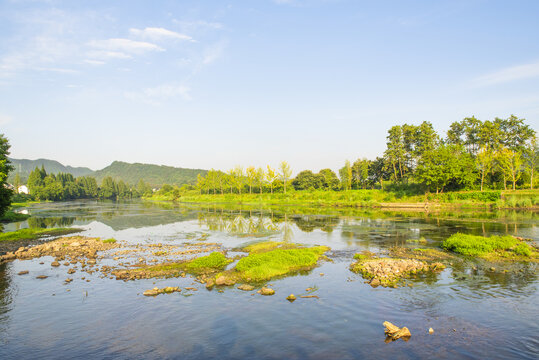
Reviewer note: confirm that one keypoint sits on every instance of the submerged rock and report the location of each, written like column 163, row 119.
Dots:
column 431, row 331
column 24, row 272
column 41, row 277
column 55, row 263
column 291, row 297
column 224, row 280
column 394, row 332
column 246, row 287
column 266, row 291
column 166, row 290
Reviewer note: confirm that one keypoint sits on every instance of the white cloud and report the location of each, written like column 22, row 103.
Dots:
column 157, row 34
column 94, row 62
column 125, row 46
column 109, row 55
column 158, row 94
column 509, row 74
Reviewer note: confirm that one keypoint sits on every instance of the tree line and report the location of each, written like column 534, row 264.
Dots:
column 475, row 154
column 62, row 186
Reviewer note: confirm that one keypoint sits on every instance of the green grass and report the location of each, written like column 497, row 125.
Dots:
column 11, row 216
column 364, row 198
column 482, row 246
column 35, row 233
column 266, row 265
column 109, row 241
column 267, row 246
column 213, row 262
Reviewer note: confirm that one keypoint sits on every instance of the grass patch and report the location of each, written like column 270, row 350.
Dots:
column 35, row 233
column 266, row 265
column 11, row 216
column 494, row 246
column 265, row 246
column 109, row 241
column 213, row 262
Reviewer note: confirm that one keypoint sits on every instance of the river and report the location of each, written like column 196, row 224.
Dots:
column 474, row 314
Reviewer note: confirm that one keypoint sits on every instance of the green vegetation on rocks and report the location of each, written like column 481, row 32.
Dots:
column 266, row 265
column 35, row 233
column 493, row 247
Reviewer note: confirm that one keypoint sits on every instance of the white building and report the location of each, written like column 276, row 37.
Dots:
column 23, row 189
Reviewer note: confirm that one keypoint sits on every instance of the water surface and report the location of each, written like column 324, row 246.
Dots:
column 475, row 315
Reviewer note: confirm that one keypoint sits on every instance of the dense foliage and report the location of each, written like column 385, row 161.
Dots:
column 475, row 155
column 5, row 168
column 63, row 186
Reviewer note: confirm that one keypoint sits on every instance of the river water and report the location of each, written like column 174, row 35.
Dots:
column 474, row 314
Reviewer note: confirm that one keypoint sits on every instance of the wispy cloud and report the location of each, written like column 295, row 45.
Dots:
column 157, row 95
column 4, row 119
column 125, row 46
column 214, row 52
column 100, row 54
column 509, row 74
column 94, row 62
column 157, row 34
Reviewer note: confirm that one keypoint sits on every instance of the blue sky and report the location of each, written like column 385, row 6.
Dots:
column 213, row 84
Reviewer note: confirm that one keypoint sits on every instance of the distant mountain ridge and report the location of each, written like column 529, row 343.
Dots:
column 155, row 175
column 24, row 167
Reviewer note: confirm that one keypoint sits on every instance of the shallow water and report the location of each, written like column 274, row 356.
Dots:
column 475, row 315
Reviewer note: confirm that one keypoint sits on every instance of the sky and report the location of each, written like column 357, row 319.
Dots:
column 214, row 84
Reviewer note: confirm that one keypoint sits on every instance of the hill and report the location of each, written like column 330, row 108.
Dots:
column 24, row 167
column 155, row 175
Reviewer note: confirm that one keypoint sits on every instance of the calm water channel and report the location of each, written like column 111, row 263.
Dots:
column 475, row 315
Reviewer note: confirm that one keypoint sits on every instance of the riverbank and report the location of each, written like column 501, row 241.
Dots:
column 519, row 199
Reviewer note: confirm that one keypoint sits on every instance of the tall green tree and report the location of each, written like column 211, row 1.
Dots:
column 484, row 162
column 5, row 168
column 271, row 176
column 286, row 172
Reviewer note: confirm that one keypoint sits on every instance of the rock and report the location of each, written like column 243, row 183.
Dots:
column 55, row 263
column 75, row 244
column 394, row 332
column 41, row 277
column 291, row 297
column 266, row 291
column 71, row 271
column 152, row 292
column 68, row 280
column 492, row 269
column 24, row 272
column 66, row 263
column 224, row 280
column 246, row 287
column 116, row 258
column 375, row 282
column 321, row 274
column 431, row 331
column 210, row 283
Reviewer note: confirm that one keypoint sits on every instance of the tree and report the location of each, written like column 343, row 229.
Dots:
column 238, row 178
column 510, row 163
column 286, row 172
column 108, row 188
column 395, row 152
column 5, row 168
column 360, row 173
column 251, row 176
column 17, row 182
column 379, row 171
column 306, row 180
column 531, row 159
column 484, row 162
column 259, row 179
column 346, row 175
column 331, row 181
column 271, row 176
column 439, row 167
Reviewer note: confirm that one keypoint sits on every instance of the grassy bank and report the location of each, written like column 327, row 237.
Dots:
column 369, row 198
column 11, row 216
column 35, row 233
